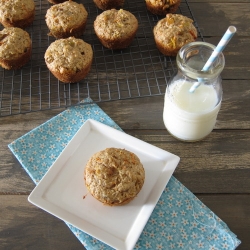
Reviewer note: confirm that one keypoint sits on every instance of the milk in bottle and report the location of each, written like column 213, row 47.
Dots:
column 192, row 116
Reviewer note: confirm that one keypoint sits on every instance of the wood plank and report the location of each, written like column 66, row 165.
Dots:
column 213, row 18
column 210, row 161
column 216, row 181
column 237, row 53
column 213, row 160
column 130, row 113
column 147, row 112
column 201, row 168
column 234, row 211
column 24, row 226
column 32, row 228
column 216, row 152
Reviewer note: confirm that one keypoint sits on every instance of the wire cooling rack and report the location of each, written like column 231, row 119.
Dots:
column 138, row 71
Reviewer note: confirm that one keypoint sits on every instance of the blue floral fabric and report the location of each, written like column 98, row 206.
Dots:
column 179, row 221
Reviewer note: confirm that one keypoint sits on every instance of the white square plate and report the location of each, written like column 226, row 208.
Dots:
column 62, row 190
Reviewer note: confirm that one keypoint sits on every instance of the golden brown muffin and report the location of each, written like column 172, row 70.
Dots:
column 69, row 59
column 15, row 48
column 114, row 176
column 173, row 32
column 17, row 13
column 108, row 4
column 116, row 29
column 66, row 19
column 162, row 7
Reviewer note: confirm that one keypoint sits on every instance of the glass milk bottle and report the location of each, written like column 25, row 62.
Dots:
column 191, row 115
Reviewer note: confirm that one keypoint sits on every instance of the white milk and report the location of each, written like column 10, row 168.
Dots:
column 190, row 116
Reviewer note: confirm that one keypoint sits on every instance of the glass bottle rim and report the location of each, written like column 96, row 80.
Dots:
column 193, row 48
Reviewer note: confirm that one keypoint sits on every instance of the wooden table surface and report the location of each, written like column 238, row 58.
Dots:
column 216, row 170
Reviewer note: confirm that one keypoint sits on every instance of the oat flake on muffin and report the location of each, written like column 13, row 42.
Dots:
column 114, row 176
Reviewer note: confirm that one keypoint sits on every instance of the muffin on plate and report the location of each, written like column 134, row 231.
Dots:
column 17, row 13
column 69, row 59
column 162, row 7
column 66, row 19
column 173, row 32
column 116, row 29
column 15, row 48
column 114, row 176
column 108, row 4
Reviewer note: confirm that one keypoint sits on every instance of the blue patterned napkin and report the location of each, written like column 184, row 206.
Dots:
column 179, row 221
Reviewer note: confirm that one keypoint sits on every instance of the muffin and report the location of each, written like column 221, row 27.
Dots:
column 173, row 32
column 114, row 176
column 108, row 4
column 162, row 7
column 69, row 59
column 66, row 19
column 17, row 13
column 116, row 29
column 15, row 48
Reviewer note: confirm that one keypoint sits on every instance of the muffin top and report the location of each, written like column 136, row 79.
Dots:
column 64, row 15
column 13, row 42
column 15, row 9
column 114, row 176
column 115, row 24
column 70, row 54
column 174, row 31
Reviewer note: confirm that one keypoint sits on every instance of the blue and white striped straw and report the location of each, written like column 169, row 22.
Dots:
column 219, row 48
